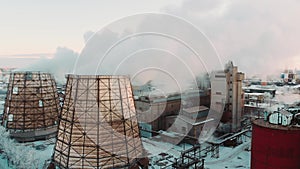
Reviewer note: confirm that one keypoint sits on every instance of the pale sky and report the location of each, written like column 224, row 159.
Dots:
column 261, row 37
column 35, row 26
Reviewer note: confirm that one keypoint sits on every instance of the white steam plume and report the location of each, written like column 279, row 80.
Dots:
column 261, row 37
column 61, row 64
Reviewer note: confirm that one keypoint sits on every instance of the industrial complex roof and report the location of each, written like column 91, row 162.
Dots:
column 195, row 109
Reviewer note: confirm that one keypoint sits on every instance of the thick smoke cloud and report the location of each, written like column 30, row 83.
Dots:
column 61, row 64
column 170, row 55
column 261, row 37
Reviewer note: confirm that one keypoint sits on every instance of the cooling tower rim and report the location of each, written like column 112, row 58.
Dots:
column 84, row 76
column 28, row 71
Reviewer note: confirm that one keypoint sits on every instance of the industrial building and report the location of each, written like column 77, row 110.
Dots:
column 234, row 101
column 275, row 142
column 190, row 122
column 98, row 127
column 255, row 104
column 235, row 97
column 254, row 98
column 158, row 112
column 262, row 90
column 31, row 106
column 291, row 77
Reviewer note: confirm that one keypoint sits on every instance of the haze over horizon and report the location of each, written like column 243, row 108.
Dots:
column 259, row 37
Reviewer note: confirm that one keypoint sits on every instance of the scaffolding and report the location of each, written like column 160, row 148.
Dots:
column 98, row 127
column 190, row 158
column 31, row 106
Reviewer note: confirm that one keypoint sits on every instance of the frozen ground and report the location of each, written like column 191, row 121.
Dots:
column 237, row 157
column 23, row 155
column 34, row 154
column 287, row 94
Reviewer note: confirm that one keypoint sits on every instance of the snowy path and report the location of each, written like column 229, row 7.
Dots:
column 235, row 152
column 156, row 148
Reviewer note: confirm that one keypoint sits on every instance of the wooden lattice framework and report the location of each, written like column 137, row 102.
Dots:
column 98, row 127
column 31, row 106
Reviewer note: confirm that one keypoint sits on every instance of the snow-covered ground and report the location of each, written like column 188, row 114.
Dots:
column 229, row 157
column 237, row 157
column 23, row 155
column 287, row 94
column 34, row 154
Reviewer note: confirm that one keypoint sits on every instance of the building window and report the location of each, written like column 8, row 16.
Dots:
column 28, row 76
column 15, row 90
column 38, row 90
column 41, row 104
column 10, row 117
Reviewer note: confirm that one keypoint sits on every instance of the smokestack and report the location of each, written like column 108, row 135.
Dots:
column 31, row 106
column 98, row 127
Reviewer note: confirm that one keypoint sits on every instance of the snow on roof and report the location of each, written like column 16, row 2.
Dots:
column 192, row 121
column 255, row 94
column 195, row 109
column 260, row 88
column 283, row 112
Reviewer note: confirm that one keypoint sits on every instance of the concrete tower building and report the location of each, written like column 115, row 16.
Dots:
column 234, row 101
column 235, row 96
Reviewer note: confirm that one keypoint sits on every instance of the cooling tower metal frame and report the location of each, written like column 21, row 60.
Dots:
column 31, row 106
column 98, row 127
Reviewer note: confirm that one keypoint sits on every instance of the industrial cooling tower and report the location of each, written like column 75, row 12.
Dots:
column 31, row 106
column 98, row 127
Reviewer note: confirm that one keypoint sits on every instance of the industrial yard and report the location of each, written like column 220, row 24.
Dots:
column 163, row 148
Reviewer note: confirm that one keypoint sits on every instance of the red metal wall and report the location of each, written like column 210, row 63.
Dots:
column 275, row 148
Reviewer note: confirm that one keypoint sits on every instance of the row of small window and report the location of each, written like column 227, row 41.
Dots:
column 28, row 76
column 16, row 90
column 41, row 104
